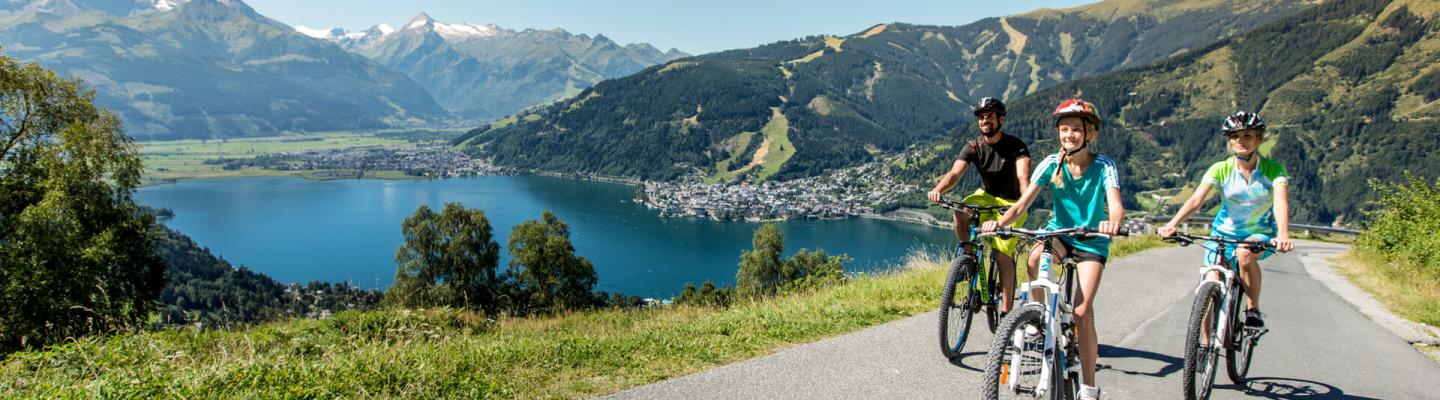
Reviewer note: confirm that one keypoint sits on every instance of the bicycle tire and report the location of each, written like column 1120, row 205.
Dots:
column 1201, row 363
column 1237, row 355
column 1062, row 387
column 952, row 341
column 1002, row 348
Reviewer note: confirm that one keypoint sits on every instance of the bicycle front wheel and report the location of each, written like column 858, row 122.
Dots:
column 958, row 305
column 1015, row 361
column 1201, row 356
column 1237, row 354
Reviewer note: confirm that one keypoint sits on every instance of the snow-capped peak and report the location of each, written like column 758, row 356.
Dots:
column 317, row 33
column 384, row 29
column 166, row 5
column 460, row 31
column 419, row 21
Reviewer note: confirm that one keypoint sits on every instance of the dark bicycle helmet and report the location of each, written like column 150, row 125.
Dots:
column 1077, row 108
column 991, row 104
column 1243, row 121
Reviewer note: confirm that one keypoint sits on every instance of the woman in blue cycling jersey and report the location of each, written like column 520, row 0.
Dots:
column 1255, row 204
column 1086, row 190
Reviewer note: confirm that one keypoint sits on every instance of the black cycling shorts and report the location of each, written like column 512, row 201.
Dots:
column 1081, row 255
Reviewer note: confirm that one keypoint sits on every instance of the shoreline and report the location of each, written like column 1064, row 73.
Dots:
column 904, row 215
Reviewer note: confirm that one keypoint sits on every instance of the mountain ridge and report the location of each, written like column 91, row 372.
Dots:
column 215, row 69
column 482, row 72
column 845, row 98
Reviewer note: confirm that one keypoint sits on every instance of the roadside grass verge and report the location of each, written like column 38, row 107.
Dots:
column 1397, row 258
column 455, row 354
column 1403, row 287
column 447, row 353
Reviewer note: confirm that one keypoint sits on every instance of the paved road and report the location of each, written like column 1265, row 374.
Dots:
column 1318, row 347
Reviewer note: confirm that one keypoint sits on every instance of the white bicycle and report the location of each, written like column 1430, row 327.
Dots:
column 1215, row 321
column 1042, row 361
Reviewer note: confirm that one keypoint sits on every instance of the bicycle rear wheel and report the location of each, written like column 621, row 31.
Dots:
column 1015, row 355
column 1201, row 358
column 958, row 305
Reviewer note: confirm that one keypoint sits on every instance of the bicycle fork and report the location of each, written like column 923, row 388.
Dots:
column 1222, row 322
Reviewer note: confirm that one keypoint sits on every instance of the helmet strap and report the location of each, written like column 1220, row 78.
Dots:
column 1077, row 149
column 1247, row 158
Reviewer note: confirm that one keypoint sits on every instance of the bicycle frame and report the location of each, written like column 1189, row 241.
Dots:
column 1228, row 268
column 974, row 241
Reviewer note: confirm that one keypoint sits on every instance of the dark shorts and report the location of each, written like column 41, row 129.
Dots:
column 1081, row 255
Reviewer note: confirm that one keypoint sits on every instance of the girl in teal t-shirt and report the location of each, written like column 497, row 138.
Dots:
column 1085, row 188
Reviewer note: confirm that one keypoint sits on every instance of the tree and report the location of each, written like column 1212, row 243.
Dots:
column 812, row 269
column 764, row 272
column 707, row 295
column 760, row 267
column 547, row 275
column 75, row 250
column 447, row 259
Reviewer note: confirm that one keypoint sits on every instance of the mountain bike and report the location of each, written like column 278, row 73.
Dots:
column 1035, row 353
column 1216, row 322
column 972, row 285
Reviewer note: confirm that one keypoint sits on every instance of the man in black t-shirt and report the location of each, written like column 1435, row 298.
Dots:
column 1003, row 162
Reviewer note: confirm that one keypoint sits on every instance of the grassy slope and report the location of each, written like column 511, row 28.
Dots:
column 777, row 132
column 454, row 354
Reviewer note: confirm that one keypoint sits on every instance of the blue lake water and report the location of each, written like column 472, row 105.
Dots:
column 299, row 230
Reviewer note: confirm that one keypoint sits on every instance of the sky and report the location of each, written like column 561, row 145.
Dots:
column 693, row 27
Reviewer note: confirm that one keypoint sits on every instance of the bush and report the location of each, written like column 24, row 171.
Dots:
column 1402, row 228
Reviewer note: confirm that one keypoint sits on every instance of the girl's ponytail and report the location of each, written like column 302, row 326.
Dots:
column 1058, row 178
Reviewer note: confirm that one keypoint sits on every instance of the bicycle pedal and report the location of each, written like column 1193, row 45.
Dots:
column 1255, row 333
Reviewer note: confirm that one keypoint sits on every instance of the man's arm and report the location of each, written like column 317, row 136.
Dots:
column 1022, row 171
column 948, row 180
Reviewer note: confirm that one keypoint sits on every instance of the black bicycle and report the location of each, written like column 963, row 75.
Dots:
column 972, row 286
column 1035, row 352
column 1216, row 323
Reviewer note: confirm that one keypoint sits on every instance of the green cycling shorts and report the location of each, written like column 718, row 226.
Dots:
column 1005, row 246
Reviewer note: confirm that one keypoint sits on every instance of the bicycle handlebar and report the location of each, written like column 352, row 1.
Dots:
column 1082, row 232
column 960, row 206
column 1186, row 239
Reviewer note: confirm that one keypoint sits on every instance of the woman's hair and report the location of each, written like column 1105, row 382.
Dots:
column 1057, row 178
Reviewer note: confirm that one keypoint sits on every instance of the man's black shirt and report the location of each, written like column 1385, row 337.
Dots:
column 996, row 164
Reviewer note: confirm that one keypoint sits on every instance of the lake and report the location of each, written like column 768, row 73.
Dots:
column 299, row 230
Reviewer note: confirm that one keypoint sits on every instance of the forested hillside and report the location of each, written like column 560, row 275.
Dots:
column 1348, row 89
column 203, row 288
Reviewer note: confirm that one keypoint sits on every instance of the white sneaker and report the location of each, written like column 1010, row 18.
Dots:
column 1089, row 392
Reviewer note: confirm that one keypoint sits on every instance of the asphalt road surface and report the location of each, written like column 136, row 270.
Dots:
column 1319, row 347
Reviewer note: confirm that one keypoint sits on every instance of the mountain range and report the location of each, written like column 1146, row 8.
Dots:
column 216, row 68
column 482, row 72
column 801, row 107
column 1348, row 87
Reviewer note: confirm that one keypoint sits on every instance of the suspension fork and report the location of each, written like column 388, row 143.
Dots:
column 1222, row 322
